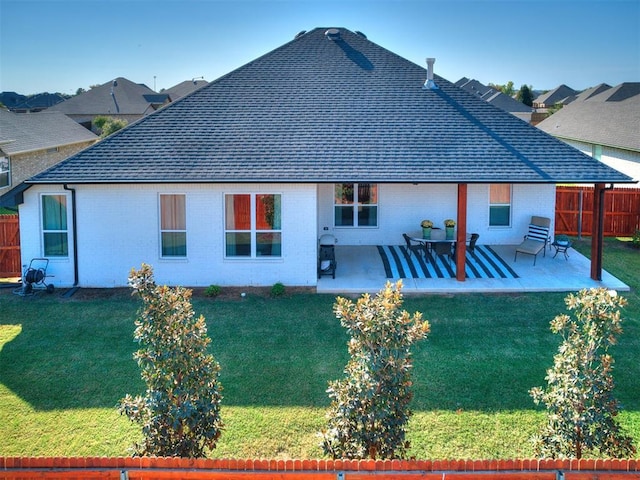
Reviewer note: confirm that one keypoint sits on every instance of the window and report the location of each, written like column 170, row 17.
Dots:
column 356, row 205
column 173, row 225
column 55, row 239
column 4, row 172
column 499, row 205
column 596, row 152
column 253, row 225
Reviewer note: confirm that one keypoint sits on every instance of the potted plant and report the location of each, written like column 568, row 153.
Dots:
column 426, row 228
column 449, row 226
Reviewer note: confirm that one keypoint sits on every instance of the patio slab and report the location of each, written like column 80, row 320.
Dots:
column 360, row 270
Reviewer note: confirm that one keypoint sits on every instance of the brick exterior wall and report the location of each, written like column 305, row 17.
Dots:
column 23, row 166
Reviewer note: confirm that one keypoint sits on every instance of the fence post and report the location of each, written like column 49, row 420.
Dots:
column 580, row 214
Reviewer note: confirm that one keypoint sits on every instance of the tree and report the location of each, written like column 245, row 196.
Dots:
column 369, row 406
column 180, row 413
column 105, row 126
column 507, row 88
column 525, row 95
column 581, row 408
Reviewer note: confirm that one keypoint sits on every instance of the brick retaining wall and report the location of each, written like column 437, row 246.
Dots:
column 88, row 468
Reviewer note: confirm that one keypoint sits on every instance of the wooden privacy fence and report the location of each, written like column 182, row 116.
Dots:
column 236, row 469
column 574, row 211
column 9, row 246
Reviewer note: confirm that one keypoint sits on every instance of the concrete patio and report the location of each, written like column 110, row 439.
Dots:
column 360, row 270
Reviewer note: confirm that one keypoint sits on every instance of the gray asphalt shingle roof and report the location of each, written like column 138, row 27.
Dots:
column 120, row 96
column 28, row 132
column 320, row 110
column 610, row 117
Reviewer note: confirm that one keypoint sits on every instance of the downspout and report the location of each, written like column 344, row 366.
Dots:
column 75, row 237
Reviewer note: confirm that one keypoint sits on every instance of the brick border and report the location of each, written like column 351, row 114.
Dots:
column 133, row 468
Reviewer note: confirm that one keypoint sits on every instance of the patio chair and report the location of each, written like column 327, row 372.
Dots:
column 413, row 246
column 536, row 240
column 444, row 248
column 472, row 242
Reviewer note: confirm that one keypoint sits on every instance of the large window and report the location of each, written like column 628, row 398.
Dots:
column 500, row 205
column 4, row 172
column 55, row 234
column 173, row 225
column 356, row 205
column 253, row 225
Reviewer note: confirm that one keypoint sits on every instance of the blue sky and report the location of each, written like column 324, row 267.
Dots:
column 61, row 45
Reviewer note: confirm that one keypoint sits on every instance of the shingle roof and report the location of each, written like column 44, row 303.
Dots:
column 27, row 132
column 611, row 118
column 184, row 88
column 120, row 96
column 320, row 110
column 558, row 94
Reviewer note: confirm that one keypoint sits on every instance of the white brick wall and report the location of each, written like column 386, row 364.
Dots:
column 118, row 229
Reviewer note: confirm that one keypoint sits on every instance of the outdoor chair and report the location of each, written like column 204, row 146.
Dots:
column 444, row 248
column 472, row 242
column 537, row 239
column 413, row 246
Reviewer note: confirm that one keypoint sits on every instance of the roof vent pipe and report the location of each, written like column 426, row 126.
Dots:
column 430, row 84
column 332, row 34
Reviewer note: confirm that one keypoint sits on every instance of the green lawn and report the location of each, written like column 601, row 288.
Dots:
column 64, row 364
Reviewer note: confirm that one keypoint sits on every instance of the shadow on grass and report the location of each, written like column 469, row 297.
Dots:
column 484, row 351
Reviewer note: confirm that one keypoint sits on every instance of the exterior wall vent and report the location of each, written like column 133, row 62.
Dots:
column 332, row 34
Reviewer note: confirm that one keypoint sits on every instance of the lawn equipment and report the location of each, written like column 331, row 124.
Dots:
column 33, row 278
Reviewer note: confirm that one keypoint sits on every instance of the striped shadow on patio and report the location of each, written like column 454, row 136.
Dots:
column 482, row 263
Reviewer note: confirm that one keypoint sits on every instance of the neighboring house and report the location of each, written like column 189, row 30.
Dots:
column 120, row 98
column 184, row 88
column 327, row 134
column 603, row 122
column 33, row 142
column 496, row 98
column 562, row 95
column 31, row 103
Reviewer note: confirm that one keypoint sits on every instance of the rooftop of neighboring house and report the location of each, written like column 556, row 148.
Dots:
column 330, row 106
column 28, row 132
column 561, row 94
column 29, row 103
column 184, row 88
column 116, row 97
column 602, row 115
column 493, row 96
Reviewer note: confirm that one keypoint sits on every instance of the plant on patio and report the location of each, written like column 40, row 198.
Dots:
column 180, row 413
column 426, row 224
column 581, row 408
column 449, row 223
column 369, row 407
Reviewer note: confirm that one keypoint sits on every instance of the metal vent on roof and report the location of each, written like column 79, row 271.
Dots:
column 332, row 34
column 361, row 34
column 299, row 34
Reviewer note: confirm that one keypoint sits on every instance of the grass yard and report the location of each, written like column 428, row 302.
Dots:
column 64, row 364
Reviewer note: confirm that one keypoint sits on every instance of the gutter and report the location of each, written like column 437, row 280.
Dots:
column 75, row 241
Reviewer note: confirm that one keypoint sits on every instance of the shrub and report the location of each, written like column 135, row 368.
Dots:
column 277, row 290
column 635, row 240
column 180, row 413
column 213, row 291
column 369, row 406
column 581, row 408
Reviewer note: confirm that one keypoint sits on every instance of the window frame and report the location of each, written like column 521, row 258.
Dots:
column 493, row 205
column 356, row 205
column 44, row 232
column 7, row 161
column 254, row 231
column 162, row 231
